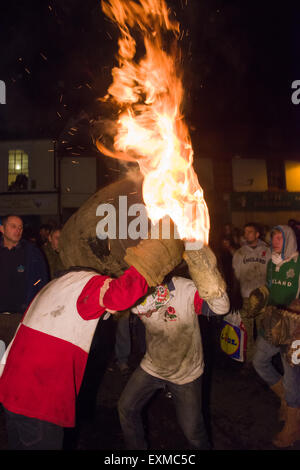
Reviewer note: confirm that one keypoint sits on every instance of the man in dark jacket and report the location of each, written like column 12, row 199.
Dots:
column 23, row 272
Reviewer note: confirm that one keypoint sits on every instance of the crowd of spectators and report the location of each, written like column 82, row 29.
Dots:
column 248, row 258
column 233, row 238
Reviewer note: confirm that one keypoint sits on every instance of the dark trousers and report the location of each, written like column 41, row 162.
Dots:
column 100, row 353
column 32, row 434
column 187, row 400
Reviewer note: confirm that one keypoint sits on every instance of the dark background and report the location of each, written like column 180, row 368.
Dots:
column 239, row 61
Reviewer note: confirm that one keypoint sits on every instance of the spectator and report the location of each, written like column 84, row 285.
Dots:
column 233, row 234
column 51, row 250
column 30, row 234
column 23, row 272
column 237, row 236
column 43, row 235
column 266, row 236
column 174, row 357
column 227, row 232
column 283, row 283
column 44, row 367
column 250, row 267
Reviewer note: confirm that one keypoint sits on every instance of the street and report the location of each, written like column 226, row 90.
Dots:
column 240, row 410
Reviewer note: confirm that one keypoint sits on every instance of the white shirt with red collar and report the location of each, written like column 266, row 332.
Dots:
column 173, row 340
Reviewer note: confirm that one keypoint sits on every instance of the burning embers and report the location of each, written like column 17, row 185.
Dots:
column 147, row 88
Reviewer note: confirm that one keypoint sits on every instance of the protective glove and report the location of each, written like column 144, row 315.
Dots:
column 154, row 259
column 203, row 270
column 258, row 300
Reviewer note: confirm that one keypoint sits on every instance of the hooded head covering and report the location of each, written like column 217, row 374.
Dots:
column 289, row 246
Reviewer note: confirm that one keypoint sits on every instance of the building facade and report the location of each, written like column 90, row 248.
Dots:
column 41, row 185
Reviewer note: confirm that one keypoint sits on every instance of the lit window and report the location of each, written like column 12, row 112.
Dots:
column 17, row 169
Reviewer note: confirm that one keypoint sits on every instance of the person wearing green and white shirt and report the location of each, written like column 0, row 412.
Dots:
column 283, row 285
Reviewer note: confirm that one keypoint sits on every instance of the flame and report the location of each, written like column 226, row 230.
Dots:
column 151, row 128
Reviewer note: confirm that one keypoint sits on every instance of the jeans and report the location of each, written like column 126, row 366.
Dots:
column 32, row 434
column 262, row 362
column 187, row 399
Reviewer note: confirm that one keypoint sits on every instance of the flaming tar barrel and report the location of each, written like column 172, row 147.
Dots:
column 79, row 244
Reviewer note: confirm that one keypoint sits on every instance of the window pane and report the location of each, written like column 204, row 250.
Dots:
column 24, row 162
column 11, row 160
column 17, row 164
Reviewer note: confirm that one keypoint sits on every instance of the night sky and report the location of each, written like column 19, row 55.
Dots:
column 239, row 60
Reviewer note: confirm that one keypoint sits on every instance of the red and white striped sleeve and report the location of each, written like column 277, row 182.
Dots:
column 103, row 293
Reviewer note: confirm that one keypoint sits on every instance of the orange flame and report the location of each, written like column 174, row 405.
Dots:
column 150, row 128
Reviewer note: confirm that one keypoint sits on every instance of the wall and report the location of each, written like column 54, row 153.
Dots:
column 80, row 177
column 78, row 180
column 249, row 174
column 41, row 163
column 292, row 175
column 239, row 219
column 41, row 197
column 204, row 170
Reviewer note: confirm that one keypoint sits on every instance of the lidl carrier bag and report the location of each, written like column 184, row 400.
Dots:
column 233, row 338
